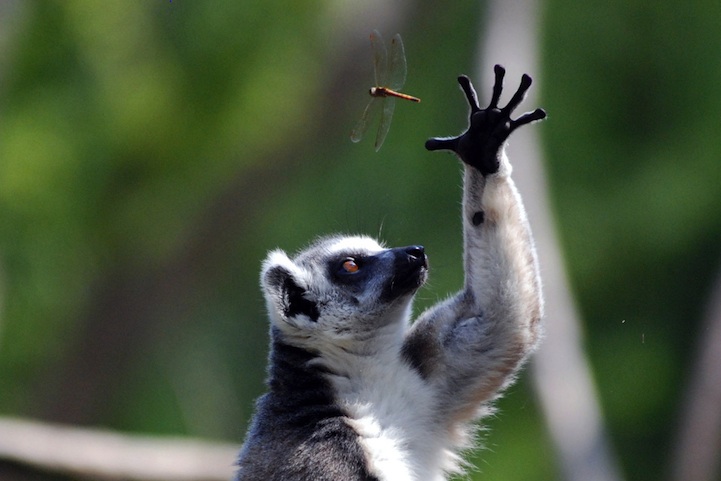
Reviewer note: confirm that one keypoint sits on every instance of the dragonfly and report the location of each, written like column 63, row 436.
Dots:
column 389, row 79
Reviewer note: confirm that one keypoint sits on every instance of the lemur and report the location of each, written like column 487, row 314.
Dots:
column 358, row 392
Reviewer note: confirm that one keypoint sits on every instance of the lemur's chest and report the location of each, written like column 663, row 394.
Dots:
column 392, row 410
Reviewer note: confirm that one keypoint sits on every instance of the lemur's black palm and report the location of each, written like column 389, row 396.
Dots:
column 480, row 145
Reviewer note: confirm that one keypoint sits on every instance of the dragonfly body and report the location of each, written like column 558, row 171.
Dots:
column 390, row 77
column 386, row 92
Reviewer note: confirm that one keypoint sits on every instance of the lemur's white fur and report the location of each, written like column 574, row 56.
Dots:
column 359, row 392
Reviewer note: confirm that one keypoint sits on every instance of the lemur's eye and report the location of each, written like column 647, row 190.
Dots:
column 350, row 266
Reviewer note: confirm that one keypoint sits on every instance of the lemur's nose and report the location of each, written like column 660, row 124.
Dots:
column 416, row 254
column 415, row 251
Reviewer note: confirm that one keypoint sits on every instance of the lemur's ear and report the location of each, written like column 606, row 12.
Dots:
column 284, row 288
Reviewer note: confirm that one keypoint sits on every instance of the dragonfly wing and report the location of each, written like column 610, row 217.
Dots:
column 389, row 104
column 399, row 68
column 380, row 58
column 362, row 126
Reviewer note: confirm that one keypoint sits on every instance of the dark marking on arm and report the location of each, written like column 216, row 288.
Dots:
column 478, row 218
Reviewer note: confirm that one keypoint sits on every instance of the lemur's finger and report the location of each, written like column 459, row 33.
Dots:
column 519, row 95
column 528, row 117
column 497, row 86
column 442, row 144
column 470, row 92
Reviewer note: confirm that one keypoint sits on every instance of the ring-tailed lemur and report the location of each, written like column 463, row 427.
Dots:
column 357, row 392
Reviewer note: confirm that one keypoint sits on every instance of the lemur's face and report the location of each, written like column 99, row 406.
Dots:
column 342, row 286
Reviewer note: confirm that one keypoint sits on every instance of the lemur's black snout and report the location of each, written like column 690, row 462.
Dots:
column 410, row 266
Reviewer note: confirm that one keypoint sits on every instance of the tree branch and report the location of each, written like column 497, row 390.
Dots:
column 109, row 455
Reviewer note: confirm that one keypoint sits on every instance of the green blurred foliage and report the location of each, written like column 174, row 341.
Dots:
column 637, row 192
column 168, row 145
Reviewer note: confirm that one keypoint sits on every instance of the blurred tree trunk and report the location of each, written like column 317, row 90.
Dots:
column 561, row 372
column 697, row 453
column 122, row 319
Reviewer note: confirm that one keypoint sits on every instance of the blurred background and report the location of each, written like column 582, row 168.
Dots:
column 152, row 152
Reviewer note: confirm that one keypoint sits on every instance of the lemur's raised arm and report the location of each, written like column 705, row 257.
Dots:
column 358, row 393
column 471, row 345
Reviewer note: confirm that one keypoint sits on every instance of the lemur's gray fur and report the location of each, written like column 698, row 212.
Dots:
column 357, row 392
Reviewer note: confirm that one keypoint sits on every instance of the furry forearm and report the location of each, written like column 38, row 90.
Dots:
column 501, row 269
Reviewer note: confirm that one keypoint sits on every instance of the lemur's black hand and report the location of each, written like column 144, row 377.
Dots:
column 480, row 145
